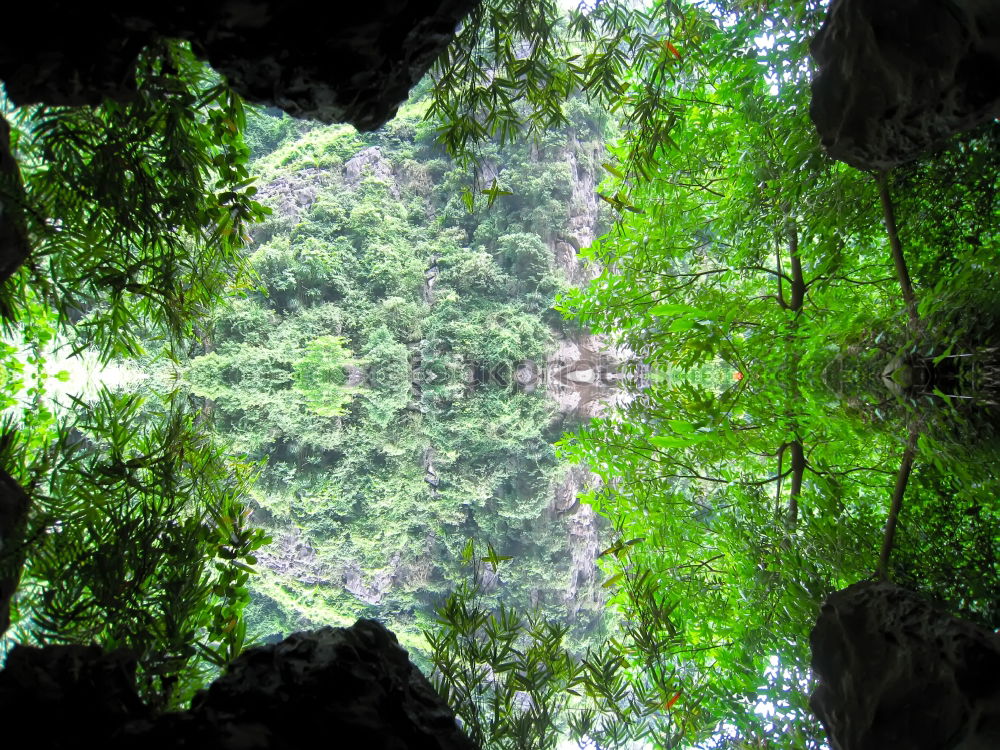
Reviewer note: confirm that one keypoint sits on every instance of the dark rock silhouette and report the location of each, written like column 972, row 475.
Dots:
column 897, row 77
column 335, row 62
column 14, row 506
column 14, row 246
column 350, row 687
column 896, row 673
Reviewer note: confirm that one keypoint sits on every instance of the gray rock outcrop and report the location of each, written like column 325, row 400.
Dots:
column 345, row 687
column 895, row 673
column 898, row 77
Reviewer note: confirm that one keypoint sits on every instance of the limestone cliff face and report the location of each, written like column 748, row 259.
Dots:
column 584, row 220
column 291, row 195
column 586, row 533
column 583, row 376
column 580, row 375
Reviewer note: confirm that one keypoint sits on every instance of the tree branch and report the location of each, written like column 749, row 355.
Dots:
column 905, row 466
column 798, row 280
column 798, row 470
column 896, row 248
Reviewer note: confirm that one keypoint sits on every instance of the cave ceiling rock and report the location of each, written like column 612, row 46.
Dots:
column 897, row 78
column 894, row 672
column 352, row 687
column 332, row 62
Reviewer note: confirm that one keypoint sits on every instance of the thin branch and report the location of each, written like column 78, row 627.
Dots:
column 798, row 280
column 898, row 260
column 831, row 472
column 905, row 466
column 781, row 292
column 798, row 471
column 777, row 489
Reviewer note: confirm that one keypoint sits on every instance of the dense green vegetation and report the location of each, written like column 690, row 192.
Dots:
column 131, row 529
column 816, row 380
column 376, row 371
column 853, row 396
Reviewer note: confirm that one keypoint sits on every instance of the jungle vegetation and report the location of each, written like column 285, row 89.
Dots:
column 852, row 317
column 375, row 371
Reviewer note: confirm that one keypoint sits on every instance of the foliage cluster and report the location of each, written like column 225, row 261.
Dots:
column 745, row 245
column 136, row 538
column 137, row 212
column 440, row 306
column 134, row 534
column 514, row 681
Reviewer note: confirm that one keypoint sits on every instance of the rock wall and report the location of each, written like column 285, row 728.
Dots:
column 895, row 673
column 583, row 376
column 14, row 507
column 584, row 221
column 349, row 687
column 14, row 246
column 335, row 62
column 897, row 77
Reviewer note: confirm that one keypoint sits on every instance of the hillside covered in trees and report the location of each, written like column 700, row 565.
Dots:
column 403, row 376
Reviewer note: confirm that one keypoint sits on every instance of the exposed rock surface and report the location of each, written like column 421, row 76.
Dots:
column 14, row 246
column 370, row 162
column 896, row 673
column 583, row 374
column 352, row 687
column 584, row 214
column 372, row 586
column 291, row 195
column 292, row 556
column 14, row 506
column 896, row 77
column 586, row 531
column 343, row 62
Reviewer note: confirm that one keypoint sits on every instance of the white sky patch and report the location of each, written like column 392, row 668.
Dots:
column 70, row 377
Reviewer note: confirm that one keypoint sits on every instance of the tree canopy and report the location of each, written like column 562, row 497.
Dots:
column 842, row 305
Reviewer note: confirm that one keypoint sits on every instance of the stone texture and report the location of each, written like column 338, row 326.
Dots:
column 895, row 673
column 897, row 77
column 335, row 62
column 14, row 246
column 68, row 696
column 345, row 687
column 14, row 506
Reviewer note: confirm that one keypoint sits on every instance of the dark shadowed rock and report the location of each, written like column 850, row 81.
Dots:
column 340, row 687
column 355, row 684
column 897, row 77
column 896, row 673
column 14, row 505
column 68, row 696
column 14, row 246
column 335, row 62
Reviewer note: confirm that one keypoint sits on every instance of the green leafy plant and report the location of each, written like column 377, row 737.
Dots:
column 515, row 684
column 136, row 212
column 137, row 537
